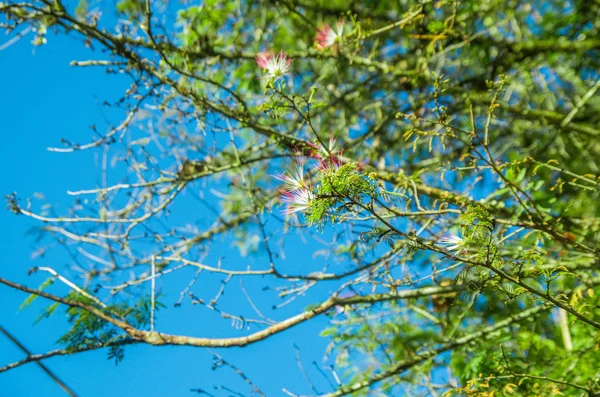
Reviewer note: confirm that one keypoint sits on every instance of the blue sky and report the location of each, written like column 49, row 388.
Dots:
column 43, row 100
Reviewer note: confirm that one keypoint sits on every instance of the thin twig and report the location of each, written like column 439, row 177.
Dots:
column 44, row 368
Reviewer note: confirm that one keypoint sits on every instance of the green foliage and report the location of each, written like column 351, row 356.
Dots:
column 339, row 190
column 88, row 330
column 132, row 8
column 49, row 281
column 379, row 235
column 476, row 224
column 82, row 9
column 463, row 155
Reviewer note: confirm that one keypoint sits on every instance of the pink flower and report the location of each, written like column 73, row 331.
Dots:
column 293, row 180
column 326, row 36
column 329, row 156
column 274, row 65
column 297, row 200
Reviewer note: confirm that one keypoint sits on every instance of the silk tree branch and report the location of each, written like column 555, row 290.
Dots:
column 419, row 358
column 44, row 368
column 515, row 280
column 117, row 46
column 157, row 338
column 31, row 358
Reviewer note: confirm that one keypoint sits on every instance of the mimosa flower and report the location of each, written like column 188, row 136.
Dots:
column 293, row 180
column 297, row 200
column 275, row 66
column 452, row 243
column 328, row 157
column 326, row 36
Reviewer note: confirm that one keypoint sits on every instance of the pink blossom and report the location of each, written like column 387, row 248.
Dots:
column 293, row 180
column 326, row 36
column 274, row 65
column 328, row 157
column 297, row 200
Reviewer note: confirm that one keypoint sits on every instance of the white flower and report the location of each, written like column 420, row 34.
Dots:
column 275, row 66
column 297, row 200
column 293, row 180
column 452, row 243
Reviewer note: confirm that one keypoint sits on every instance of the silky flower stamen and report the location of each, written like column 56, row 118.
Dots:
column 327, row 36
column 275, row 66
column 293, row 180
column 452, row 243
column 329, row 156
column 297, row 200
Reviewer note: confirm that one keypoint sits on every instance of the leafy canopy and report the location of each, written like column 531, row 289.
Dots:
column 438, row 163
